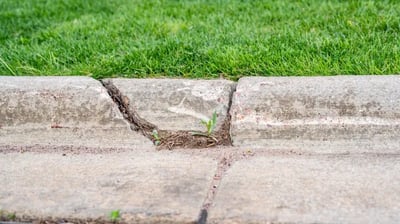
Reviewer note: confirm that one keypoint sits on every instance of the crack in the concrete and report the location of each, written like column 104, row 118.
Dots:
column 225, row 161
column 202, row 217
column 225, row 130
column 224, row 164
column 170, row 139
column 8, row 217
column 137, row 123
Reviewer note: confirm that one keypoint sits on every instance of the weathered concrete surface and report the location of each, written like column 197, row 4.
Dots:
column 147, row 186
column 95, row 137
column 312, row 189
column 61, row 111
column 292, row 112
column 177, row 104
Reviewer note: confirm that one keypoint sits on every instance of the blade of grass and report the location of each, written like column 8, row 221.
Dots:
column 7, row 66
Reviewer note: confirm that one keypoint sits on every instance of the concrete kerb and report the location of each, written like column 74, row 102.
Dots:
column 176, row 104
column 319, row 114
column 175, row 109
column 62, row 111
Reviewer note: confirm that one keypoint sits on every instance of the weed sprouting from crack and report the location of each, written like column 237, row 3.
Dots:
column 191, row 139
column 115, row 216
column 157, row 139
column 210, row 126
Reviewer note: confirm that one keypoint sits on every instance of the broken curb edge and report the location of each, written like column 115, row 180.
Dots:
column 169, row 138
column 259, row 112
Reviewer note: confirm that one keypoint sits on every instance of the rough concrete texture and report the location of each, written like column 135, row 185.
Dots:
column 106, row 138
column 177, row 104
column 312, row 189
column 61, row 110
column 285, row 112
column 146, row 186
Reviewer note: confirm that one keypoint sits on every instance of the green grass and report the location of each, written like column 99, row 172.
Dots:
column 189, row 38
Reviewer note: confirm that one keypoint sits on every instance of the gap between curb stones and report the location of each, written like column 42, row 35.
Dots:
column 170, row 139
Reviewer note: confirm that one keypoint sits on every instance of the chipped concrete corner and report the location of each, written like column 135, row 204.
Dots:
column 175, row 109
column 177, row 104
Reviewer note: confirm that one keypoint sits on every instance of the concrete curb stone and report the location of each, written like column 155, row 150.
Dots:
column 274, row 112
column 61, row 111
column 177, row 104
column 299, row 112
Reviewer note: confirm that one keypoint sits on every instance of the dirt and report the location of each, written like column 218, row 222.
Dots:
column 49, row 220
column 137, row 123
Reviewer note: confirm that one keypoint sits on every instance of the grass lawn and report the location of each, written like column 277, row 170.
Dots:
column 199, row 39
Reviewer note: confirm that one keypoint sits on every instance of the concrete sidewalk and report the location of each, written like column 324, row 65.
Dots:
column 284, row 150
column 220, row 185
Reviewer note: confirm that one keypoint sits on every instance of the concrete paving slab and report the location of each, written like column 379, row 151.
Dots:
column 61, row 111
column 146, row 186
column 310, row 189
column 100, row 138
column 278, row 112
column 177, row 104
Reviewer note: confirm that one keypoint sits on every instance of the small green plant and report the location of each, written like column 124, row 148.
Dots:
column 210, row 126
column 11, row 216
column 115, row 216
column 156, row 137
